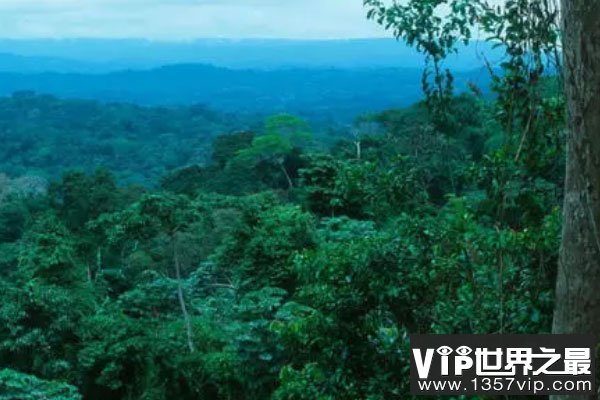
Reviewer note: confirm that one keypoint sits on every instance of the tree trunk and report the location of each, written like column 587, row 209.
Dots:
column 578, row 281
column 180, row 296
column 358, row 145
column 287, row 177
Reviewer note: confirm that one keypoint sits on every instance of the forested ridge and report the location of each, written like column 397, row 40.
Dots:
column 46, row 136
column 291, row 261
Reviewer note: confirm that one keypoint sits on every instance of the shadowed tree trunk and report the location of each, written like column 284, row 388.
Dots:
column 186, row 316
column 578, row 282
column 287, row 176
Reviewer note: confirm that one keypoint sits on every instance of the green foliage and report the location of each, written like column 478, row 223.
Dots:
column 276, row 271
column 17, row 386
column 226, row 147
column 528, row 33
column 283, row 134
column 260, row 250
column 46, row 136
column 293, row 129
column 184, row 293
column 80, row 198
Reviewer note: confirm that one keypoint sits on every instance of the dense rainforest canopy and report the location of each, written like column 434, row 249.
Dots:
column 191, row 255
column 274, row 268
column 46, row 136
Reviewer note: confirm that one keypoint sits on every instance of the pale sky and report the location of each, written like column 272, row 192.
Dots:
column 186, row 19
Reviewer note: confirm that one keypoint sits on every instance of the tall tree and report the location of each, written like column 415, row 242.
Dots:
column 283, row 133
column 577, row 290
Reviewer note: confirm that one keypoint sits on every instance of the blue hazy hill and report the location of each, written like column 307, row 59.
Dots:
column 335, row 79
column 340, row 94
column 92, row 55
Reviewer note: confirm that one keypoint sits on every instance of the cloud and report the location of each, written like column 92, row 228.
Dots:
column 186, row 19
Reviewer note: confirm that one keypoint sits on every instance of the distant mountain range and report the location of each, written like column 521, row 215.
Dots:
column 336, row 79
column 106, row 55
column 340, row 94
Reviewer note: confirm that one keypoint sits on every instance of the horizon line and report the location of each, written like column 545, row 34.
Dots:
column 196, row 39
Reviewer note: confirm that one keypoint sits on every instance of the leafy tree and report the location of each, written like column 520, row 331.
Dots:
column 80, row 198
column 226, row 147
column 45, row 303
column 260, row 250
column 283, row 133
